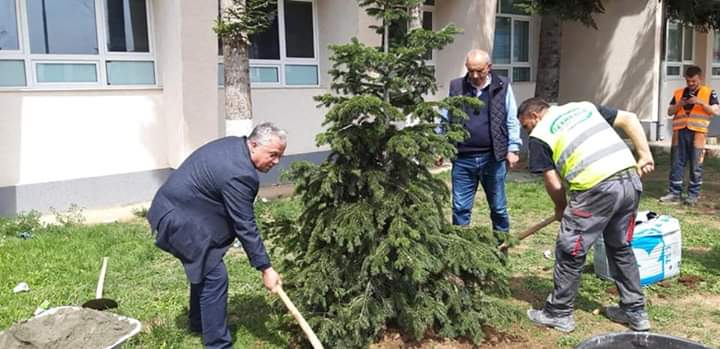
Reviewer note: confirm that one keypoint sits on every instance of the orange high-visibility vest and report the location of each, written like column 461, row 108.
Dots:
column 697, row 119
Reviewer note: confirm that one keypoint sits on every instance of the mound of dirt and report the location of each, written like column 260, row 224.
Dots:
column 67, row 328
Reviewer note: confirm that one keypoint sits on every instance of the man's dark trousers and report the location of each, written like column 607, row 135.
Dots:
column 608, row 209
column 687, row 147
column 208, row 308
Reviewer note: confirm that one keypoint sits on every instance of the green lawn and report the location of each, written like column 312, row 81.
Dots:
column 61, row 265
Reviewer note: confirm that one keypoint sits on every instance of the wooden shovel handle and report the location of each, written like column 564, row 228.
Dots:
column 101, row 281
column 300, row 319
column 532, row 230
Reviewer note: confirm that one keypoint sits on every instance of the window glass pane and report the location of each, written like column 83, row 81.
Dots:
column 427, row 20
column 62, row 27
column 12, row 73
column 299, row 29
column 266, row 45
column 674, row 43
column 66, row 72
column 264, row 74
column 220, row 43
column 716, row 71
column 501, row 51
column 716, row 47
column 673, row 71
column 127, row 26
column 521, row 74
column 502, row 72
column 221, row 74
column 397, row 32
column 429, row 2
column 688, row 44
column 427, row 25
column 521, row 39
column 301, row 75
column 506, row 6
column 130, row 73
column 8, row 26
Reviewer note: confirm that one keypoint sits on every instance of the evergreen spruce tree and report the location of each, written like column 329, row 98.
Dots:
column 372, row 247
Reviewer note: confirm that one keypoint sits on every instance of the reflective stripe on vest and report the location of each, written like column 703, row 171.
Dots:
column 585, row 148
column 698, row 119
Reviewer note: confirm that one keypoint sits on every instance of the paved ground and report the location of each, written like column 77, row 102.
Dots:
column 129, row 212
column 713, row 150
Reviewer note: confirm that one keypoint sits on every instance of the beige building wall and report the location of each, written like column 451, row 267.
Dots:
column 48, row 136
column 618, row 64
column 477, row 21
column 187, row 60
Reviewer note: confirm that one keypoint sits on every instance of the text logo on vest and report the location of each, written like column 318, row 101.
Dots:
column 574, row 115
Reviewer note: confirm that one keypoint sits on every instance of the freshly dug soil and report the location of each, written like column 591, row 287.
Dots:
column 67, row 328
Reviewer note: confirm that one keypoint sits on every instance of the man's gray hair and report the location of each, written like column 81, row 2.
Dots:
column 478, row 55
column 262, row 134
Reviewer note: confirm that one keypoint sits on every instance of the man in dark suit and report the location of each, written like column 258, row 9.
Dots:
column 204, row 205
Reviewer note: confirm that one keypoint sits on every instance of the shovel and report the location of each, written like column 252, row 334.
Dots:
column 532, row 230
column 300, row 319
column 100, row 303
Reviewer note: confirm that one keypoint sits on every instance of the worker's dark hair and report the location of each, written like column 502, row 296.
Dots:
column 692, row 70
column 530, row 105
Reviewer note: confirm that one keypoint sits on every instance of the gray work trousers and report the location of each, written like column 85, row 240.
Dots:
column 609, row 209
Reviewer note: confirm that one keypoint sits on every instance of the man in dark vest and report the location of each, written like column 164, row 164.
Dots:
column 204, row 205
column 493, row 143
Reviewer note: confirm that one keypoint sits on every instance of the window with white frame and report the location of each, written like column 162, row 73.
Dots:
column 80, row 43
column 286, row 53
column 679, row 48
column 511, row 49
column 428, row 23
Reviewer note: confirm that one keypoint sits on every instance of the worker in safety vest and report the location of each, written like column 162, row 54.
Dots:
column 692, row 109
column 576, row 143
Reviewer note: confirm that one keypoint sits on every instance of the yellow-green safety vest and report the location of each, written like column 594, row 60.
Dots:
column 585, row 148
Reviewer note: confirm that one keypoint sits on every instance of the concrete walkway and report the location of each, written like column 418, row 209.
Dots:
column 129, row 212
column 711, row 150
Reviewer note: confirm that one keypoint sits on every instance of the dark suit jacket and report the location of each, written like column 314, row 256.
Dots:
column 205, row 204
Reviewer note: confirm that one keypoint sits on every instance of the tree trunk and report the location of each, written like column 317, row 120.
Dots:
column 416, row 14
column 238, row 102
column 547, row 83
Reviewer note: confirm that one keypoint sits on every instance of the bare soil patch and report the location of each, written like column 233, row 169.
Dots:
column 494, row 338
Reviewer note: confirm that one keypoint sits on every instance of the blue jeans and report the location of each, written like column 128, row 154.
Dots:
column 688, row 148
column 466, row 173
column 208, row 308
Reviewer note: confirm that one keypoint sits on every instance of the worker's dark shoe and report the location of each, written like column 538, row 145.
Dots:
column 670, row 198
column 636, row 320
column 691, row 201
column 561, row 323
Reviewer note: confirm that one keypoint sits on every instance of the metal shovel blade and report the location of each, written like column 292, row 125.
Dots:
column 100, row 304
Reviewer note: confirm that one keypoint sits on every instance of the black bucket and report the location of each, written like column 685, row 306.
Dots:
column 638, row 340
